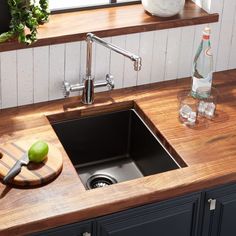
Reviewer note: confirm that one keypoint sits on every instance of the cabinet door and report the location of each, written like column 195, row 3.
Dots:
column 170, row 218
column 222, row 220
column 77, row 229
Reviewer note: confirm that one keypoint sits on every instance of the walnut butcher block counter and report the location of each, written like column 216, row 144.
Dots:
column 208, row 154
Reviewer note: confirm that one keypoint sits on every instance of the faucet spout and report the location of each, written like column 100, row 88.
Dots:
column 136, row 59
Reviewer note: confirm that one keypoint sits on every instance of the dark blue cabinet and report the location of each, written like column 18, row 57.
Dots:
column 210, row 213
column 221, row 219
column 170, row 218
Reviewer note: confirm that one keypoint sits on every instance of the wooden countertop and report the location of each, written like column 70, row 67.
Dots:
column 209, row 152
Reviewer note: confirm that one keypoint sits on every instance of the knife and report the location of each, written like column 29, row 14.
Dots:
column 16, row 169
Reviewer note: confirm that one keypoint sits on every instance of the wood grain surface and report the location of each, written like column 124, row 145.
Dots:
column 207, row 151
column 73, row 26
column 34, row 173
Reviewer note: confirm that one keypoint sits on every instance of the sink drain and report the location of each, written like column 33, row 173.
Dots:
column 99, row 181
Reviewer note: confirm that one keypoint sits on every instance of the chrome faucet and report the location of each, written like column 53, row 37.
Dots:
column 88, row 84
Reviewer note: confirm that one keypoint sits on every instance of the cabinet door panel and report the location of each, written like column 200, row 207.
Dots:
column 221, row 221
column 227, row 218
column 77, row 229
column 176, row 217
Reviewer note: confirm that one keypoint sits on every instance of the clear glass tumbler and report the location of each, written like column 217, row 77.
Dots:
column 188, row 109
column 207, row 102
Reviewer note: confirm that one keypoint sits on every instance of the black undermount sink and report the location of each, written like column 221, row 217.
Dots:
column 111, row 148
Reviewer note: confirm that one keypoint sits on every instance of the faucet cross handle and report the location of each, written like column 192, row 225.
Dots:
column 66, row 89
column 110, row 81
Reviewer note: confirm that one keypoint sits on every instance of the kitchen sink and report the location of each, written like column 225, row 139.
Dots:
column 111, row 148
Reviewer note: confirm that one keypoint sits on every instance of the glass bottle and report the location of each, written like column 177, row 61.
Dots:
column 203, row 65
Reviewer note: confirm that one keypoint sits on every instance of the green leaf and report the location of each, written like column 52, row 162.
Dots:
column 6, row 36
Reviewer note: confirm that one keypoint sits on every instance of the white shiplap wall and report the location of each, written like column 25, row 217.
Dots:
column 35, row 75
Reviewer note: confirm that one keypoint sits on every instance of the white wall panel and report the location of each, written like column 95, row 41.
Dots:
column 172, row 55
column 83, row 53
column 185, row 54
column 41, row 73
column 217, row 7
column 72, row 63
column 118, row 61
column 146, row 51
column 167, row 54
column 159, row 56
column 102, row 63
column 25, row 82
column 215, row 34
column 130, row 75
column 225, row 35
column 232, row 57
column 56, row 71
column 9, row 79
column 102, row 60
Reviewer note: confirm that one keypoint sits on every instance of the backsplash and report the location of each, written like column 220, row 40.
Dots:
column 34, row 75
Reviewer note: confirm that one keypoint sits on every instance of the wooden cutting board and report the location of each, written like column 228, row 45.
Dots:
column 33, row 174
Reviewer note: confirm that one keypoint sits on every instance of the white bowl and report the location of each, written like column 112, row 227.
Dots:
column 163, row 8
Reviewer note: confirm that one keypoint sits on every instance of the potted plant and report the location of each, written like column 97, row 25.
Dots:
column 21, row 18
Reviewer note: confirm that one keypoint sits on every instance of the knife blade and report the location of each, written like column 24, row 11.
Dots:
column 16, row 169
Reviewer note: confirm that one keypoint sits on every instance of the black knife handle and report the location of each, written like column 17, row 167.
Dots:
column 15, row 170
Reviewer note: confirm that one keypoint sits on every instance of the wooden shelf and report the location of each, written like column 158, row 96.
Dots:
column 73, row 26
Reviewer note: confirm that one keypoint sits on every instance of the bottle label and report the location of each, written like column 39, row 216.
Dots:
column 206, row 36
column 201, row 82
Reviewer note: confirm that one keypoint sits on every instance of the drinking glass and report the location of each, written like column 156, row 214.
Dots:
column 207, row 101
column 188, row 107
